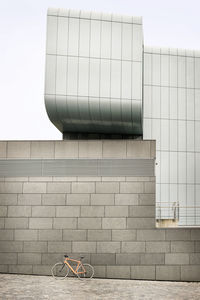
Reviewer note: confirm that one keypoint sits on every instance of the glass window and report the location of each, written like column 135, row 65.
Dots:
column 181, row 167
column 155, row 102
column 136, row 80
column 164, row 105
column 155, row 69
column 126, row 80
column 164, row 134
column 126, row 41
column 116, row 40
column 190, row 167
column 84, row 37
column 164, row 70
column 173, row 135
column 72, row 75
column 173, row 167
column 182, row 135
column 164, row 164
column 147, row 68
column 190, row 104
column 105, row 78
column 73, row 36
column 106, row 39
column 173, row 103
column 115, row 79
column 50, row 82
column 147, row 102
column 61, row 75
column 197, row 105
column 181, row 71
column 197, row 72
column 94, row 77
column 62, row 43
column 137, row 42
column 51, row 35
column 181, row 104
column 190, row 72
column 83, row 74
column 190, row 135
column 95, row 38
column 173, row 70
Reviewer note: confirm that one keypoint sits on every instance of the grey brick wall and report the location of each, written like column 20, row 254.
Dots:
column 109, row 220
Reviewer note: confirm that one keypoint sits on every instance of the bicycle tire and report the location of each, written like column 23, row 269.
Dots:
column 60, row 271
column 86, row 275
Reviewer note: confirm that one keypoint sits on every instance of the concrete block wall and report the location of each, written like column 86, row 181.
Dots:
column 109, row 220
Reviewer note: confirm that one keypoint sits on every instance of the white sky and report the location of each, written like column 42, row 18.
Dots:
column 168, row 23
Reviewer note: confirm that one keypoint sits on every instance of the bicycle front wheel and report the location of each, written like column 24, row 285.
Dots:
column 85, row 271
column 60, row 270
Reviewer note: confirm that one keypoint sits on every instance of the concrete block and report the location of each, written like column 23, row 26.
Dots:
column 89, row 223
column 3, row 211
column 42, row 270
column 102, row 199
column 8, row 199
column 139, row 223
column 139, row 178
column 74, row 235
column 6, row 235
column 65, row 178
column 99, row 235
column 190, row 273
column 67, row 211
column 29, row 199
column 83, row 187
column 10, row 187
column 50, row 235
column 66, row 149
column 177, row 259
column 2, row 223
column 53, row 199
column 11, row 246
column 138, row 149
column 40, row 178
column 52, row 258
column 42, row 149
column 157, row 247
column 90, row 149
column 103, row 259
column 3, row 147
column 92, row 211
column 147, row 199
column 114, row 223
column 126, row 199
column 18, row 149
column 142, row 211
column 133, row 247
column 195, row 234
column 84, row 247
column 177, row 234
column 34, row 247
column 122, row 272
column 34, row 188
column 78, row 199
column 123, row 235
column 15, row 179
column 40, row 223
column 3, row 269
column 29, row 258
column 16, row 223
column 127, row 259
column 197, row 246
column 195, row 259
column 19, row 211
column 181, row 246
column 116, row 178
column 153, row 259
column 116, row 211
column 8, row 258
column 59, row 247
column 26, row 235
column 99, row 271
column 43, row 211
column 149, row 187
column 131, row 187
column 143, row 272
column 153, row 149
column 88, row 179
column 114, row 149
column 58, row 187
column 168, row 273
column 65, row 223
column 107, row 187
column 151, row 235
column 20, row 269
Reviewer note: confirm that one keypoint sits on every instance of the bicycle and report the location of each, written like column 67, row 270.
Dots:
column 61, row 269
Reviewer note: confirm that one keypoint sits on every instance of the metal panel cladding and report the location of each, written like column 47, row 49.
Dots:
column 93, row 78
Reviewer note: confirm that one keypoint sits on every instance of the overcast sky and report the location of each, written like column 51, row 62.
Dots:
column 171, row 23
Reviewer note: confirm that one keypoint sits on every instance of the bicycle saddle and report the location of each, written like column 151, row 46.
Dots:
column 65, row 255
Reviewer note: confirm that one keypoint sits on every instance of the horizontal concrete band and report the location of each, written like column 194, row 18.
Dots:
column 77, row 167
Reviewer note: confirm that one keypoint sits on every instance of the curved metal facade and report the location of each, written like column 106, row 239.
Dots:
column 94, row 72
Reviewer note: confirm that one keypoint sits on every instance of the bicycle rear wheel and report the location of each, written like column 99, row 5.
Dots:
column 85, row 271
column 60, row 271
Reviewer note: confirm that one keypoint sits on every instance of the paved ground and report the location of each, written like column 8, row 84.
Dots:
column 45, row 287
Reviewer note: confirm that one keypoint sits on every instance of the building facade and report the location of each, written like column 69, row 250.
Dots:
column 101, row 79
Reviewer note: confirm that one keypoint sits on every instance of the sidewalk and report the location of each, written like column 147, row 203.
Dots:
column 45, row 287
